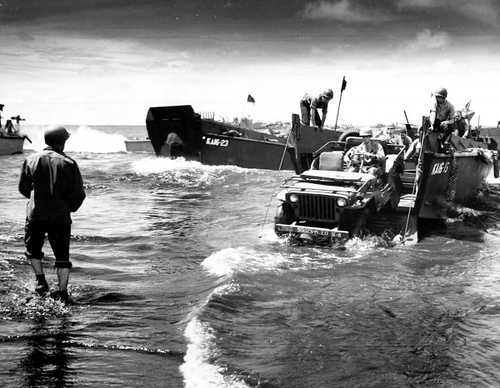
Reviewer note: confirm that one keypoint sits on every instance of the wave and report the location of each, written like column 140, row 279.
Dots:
column 113, row 297
column 198, row 369
column 228, row 261
column 232, row 265
column 128, row 348
column 91, row 345
column 105, row 240
column 183, row 172
column 9, row 238
column 82, row 139
column 86, row 139
column 155, row 165
column 200, row 366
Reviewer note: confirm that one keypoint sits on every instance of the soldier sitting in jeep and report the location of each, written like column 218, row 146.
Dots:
column 367, row 157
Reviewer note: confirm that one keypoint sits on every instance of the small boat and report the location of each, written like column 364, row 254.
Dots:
column 139, row 145
column 11, row 144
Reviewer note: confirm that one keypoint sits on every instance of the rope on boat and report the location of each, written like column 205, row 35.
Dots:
column 272, row 195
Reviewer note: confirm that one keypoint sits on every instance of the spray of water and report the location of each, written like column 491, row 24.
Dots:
column 152, row 165
column 85, row 139
column 198, row 371
column 244, row 260
column 183, row 172
column 82, row 139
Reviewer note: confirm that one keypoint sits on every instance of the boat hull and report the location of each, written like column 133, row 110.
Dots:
column 10, row 145
column 248, row 153
column 179, row 131
column 449, row 180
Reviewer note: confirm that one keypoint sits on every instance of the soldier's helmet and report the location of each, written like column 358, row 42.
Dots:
column 55, row 136
column 328, row 93
column 441, row 92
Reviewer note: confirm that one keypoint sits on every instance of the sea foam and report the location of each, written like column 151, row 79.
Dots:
column 228, row 261
column 197, row 369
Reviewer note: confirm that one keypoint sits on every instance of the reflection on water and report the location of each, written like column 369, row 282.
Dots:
column 47, row 361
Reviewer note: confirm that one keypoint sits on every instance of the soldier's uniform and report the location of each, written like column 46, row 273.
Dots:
column 53, row 183
column 310, row 104
column 442, row 112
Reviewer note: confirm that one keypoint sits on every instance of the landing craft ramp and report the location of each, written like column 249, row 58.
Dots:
column 181, row 120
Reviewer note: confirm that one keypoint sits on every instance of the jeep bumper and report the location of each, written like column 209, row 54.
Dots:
column 313, row 232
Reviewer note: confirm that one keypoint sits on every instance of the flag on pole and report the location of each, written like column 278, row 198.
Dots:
column 342, row 88
column 250, row 99
column 344, row 84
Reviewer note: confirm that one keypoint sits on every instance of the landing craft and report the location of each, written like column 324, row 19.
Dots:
column 325, row 203
column 179, row 131
column 331, row 203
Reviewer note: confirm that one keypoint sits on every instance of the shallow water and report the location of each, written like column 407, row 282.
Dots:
column 179, row 281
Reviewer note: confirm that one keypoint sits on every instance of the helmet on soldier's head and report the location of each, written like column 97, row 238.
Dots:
column 56, row 136
column 365, row 132
column 328, row 93
column 441, row 92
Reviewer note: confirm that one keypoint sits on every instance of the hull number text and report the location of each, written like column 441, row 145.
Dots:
column 440, row 168
column 217, row 142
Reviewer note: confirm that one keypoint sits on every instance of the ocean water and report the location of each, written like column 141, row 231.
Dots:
column 179, row 281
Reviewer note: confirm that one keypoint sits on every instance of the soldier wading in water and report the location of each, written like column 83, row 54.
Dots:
column 52, row 182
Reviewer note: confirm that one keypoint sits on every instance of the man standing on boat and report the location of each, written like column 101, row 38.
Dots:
column 309, row 107
column 366, row 157
column 442, row 113
column 52, row 182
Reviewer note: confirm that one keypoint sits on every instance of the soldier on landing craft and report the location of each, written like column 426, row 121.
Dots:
column 442, row 112
column 309, row 108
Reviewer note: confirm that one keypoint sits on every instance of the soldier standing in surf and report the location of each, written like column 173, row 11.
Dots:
column 53, row 184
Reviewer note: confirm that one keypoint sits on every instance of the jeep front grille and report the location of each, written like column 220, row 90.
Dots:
column 316, row 207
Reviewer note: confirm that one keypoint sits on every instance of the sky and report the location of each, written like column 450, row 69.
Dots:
column 91, row 62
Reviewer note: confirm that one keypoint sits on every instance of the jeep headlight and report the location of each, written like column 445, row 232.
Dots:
column 341, row 202
column 294, row 198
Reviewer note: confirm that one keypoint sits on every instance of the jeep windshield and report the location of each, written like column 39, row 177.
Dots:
column 336, row 178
